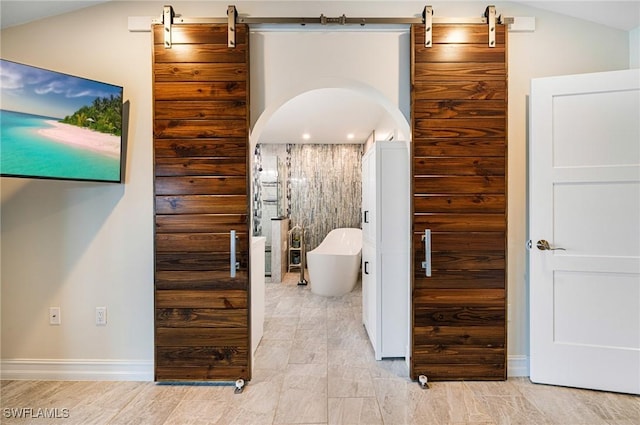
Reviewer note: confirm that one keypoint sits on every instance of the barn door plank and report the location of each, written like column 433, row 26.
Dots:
column 459, row 184
column 201, row 116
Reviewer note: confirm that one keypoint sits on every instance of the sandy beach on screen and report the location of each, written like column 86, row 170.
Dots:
column 84, row 138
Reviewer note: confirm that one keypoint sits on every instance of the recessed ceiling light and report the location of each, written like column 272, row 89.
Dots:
column 350, row 136
column 306, row 136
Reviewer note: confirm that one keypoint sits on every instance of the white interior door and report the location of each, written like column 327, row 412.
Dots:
column 584, row 197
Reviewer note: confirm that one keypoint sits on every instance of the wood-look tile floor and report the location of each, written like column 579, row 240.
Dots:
column 315, row 366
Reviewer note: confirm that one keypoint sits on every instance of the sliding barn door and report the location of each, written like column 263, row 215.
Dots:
column 459, row 106
column 200, row 90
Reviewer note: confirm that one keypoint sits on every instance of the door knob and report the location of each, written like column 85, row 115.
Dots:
column 543, row 245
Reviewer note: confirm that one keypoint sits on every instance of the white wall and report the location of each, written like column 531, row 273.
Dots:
column 82, row 245
column 285, row 64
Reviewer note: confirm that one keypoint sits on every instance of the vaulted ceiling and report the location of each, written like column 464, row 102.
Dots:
column 624, row 15
column 295, row 117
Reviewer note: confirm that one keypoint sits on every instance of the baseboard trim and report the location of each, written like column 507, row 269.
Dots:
column 517, row 366
column 131, row 370
column 76, row 370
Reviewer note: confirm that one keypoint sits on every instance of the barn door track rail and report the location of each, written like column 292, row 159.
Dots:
column 170, row 18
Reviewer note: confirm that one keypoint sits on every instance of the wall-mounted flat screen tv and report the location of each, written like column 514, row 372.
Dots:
column 59, row 126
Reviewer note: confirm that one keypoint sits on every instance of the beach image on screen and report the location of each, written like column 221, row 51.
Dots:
column 54, row 125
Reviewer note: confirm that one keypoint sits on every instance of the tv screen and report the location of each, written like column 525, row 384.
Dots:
column 59, row 126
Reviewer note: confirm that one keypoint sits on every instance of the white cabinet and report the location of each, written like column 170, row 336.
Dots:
column 385, row 253
column 368, row 290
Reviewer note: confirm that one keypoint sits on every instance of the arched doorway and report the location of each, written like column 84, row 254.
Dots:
column 357, row 98
column 311, row 142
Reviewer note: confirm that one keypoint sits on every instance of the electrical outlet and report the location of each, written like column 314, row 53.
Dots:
column 54, row 316
column 101, row 316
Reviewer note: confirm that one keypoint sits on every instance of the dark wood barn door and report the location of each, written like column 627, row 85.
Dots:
column 201, row 110
column 459, row 107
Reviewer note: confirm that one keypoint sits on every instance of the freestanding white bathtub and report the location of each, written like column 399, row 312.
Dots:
column 334, row 265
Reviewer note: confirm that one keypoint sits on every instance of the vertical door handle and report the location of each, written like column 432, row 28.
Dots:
column 366, row 269
column 234, row 265
column 426, row 264
column 366, row 216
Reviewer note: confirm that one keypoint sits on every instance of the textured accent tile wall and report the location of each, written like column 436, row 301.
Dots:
column 326, row 187
column 322, row 190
